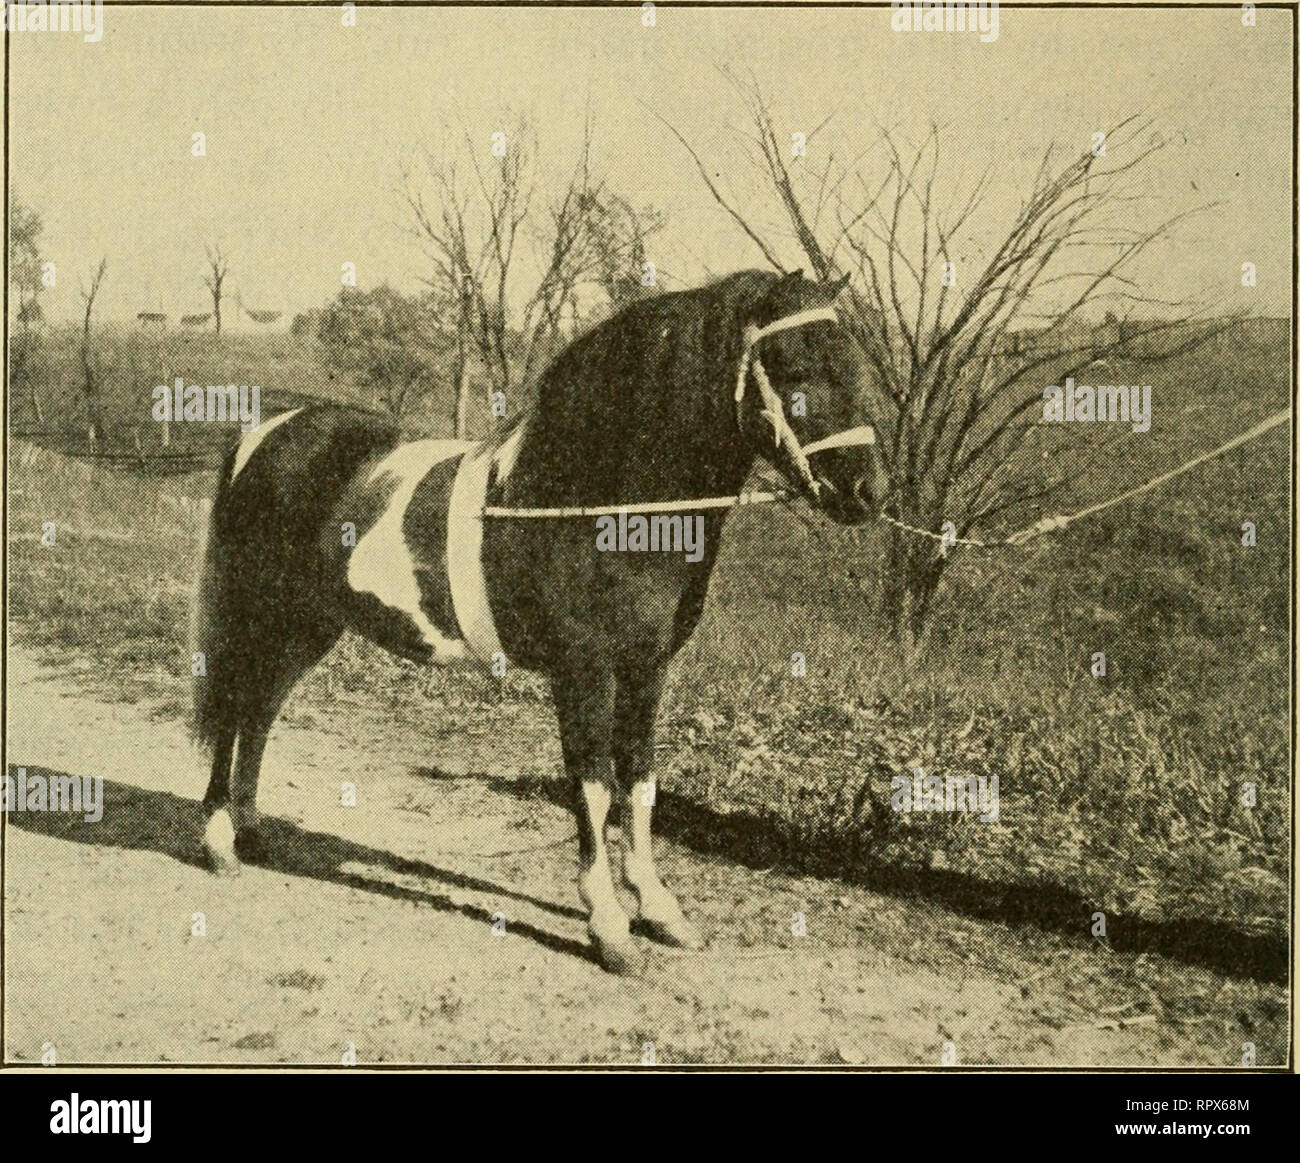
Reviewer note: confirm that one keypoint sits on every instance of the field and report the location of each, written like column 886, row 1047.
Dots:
column 1121, row 795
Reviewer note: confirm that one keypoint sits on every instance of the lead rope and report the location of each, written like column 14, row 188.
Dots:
column 1059, row 521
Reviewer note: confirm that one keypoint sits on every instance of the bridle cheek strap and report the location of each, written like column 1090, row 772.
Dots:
column 774, row 412
column 783, row 434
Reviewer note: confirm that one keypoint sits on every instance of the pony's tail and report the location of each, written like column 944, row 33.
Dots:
column 211, row 637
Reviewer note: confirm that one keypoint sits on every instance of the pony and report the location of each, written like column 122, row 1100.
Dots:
column 328, row 518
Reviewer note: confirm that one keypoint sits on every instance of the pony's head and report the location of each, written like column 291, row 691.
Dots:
column 797, row 398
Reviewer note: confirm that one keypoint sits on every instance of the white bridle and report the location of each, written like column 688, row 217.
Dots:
column 774, row 411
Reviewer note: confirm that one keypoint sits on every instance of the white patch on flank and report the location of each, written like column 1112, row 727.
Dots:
column 469, row 596
column 381, row 563
column 249, row 444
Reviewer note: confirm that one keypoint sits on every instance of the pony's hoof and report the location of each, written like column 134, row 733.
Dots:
column 678, row 932
column 621, row 957
column 250, row 847
column 223, row 863
column 219, row 844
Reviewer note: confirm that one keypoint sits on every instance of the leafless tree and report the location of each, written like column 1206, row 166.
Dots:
column 91, row 371
column 488, row 229
column 218, row 268
column 959, row 353
column 26, row 278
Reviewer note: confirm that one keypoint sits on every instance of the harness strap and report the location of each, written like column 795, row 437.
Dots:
column 849, row 438
column 753, row 334
column 782, row 432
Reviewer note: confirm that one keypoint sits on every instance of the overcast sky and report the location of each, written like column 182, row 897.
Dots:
column 307, row 123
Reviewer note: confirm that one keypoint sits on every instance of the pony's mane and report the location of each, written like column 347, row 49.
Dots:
column 694, row 316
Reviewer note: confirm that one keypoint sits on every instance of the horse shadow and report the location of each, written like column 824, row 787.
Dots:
column 761, row 843
column 144, row 820
column 140, row 819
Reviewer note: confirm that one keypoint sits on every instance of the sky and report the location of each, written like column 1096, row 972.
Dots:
column 308, row 124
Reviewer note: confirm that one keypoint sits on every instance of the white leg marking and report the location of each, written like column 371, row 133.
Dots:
column 658, row 907
column 639, row 874
column 219, row 837
column 381, row 562
column 608, row 922
column 250, row 443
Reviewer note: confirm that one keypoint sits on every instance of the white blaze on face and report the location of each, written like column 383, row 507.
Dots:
column 381, row 563
column 250, row 443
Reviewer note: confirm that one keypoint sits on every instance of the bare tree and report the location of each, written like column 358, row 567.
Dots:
column 483, row 220
column 25, row 276
column 959, row 360
column 91, row 372
column 218, row 268
column 619, row 235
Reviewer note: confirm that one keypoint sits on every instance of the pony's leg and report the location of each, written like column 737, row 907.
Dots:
column 660, row 914
column 249, row 845
column 262, row 704
column 584, row 706
column 219, row 832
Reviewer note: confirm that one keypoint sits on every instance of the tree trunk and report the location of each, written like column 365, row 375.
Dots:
column 90, row 389
column 460, row 418
column 911, row 578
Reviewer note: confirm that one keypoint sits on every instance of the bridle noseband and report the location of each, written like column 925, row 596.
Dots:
column 773, row 410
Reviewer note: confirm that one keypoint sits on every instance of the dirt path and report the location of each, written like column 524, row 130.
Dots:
column 374, row 927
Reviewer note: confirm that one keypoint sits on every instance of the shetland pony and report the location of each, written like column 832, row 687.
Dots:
column 328, row 518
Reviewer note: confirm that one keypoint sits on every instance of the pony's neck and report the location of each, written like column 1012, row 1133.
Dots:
column 694, row 444
column 618, row 423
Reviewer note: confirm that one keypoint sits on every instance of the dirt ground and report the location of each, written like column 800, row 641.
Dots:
column 437, row 921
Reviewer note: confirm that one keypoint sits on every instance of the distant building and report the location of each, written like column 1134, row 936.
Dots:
column 151, row 320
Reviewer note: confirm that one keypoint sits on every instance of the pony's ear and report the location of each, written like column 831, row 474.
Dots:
column 831, row 288
column 789, row 282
